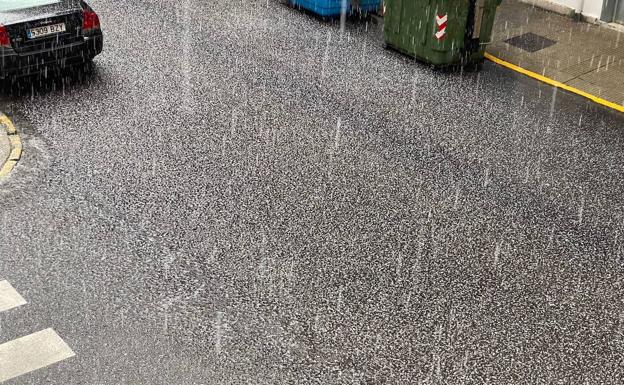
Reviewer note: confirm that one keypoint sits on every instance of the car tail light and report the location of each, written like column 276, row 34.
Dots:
column 5, row 40
column 90, row 20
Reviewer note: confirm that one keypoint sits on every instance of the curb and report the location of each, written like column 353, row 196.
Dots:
column 554, row 83
column 16, row 146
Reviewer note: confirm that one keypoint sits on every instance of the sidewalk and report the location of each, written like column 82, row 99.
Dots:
column 585, row 56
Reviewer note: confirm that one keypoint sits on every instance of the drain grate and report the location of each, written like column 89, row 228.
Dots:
column 530, row 42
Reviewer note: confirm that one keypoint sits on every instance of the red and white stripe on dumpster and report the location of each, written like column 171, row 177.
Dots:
column 441, row 24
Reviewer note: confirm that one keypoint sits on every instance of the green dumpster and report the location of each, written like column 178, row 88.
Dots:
column 440, row 32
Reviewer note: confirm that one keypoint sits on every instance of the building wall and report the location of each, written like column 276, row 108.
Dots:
column 591, row 8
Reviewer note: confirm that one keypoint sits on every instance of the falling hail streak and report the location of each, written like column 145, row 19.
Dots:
column 166, row 320
column 187, row 91
column 219, row 331
column 337, row 135
column 343, row 15
column 326, row 56
column 553, row 101
column 340, row 299
column 551, row 238
column 399, row 265
column 233, row 124
column 497, row 252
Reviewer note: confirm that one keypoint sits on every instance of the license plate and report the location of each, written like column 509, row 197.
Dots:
column 46, row 30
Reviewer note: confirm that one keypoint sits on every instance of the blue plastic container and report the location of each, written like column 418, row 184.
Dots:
column 333, row 8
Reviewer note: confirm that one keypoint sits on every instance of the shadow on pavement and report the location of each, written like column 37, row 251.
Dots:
column 50, row 80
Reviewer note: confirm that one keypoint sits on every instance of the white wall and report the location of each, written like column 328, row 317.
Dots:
column 591, row 8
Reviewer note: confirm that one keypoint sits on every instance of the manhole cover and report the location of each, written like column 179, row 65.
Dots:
column 530, row 42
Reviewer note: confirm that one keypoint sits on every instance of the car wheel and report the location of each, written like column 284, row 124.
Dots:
column 89, row 66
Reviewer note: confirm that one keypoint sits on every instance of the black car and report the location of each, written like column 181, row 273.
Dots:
column 39, row 35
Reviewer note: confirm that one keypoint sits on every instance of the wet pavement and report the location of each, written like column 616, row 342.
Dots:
column 588, row 57
column 242, row 194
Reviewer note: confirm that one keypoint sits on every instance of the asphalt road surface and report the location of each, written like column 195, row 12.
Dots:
column 242, row 194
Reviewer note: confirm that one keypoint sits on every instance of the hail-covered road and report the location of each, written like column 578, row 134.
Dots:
column 244, row 194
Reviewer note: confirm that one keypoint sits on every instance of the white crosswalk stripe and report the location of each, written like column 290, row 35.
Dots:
column 31, row 352
column 9, row 297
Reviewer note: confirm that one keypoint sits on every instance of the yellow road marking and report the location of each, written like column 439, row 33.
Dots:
column 15, row 144
column 8, row 124
column 555, row 83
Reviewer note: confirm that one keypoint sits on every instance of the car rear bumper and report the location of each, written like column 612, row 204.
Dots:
column 13, row 64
